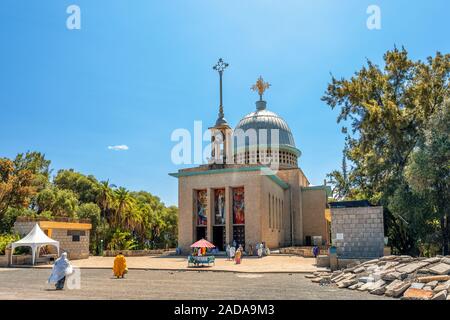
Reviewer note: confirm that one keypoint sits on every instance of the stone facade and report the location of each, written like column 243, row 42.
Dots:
column 73, row 237
column 275, row 206
column 314, row 204
column 358, row 232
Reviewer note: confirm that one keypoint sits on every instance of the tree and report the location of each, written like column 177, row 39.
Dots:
column 387, row 109
column 123, row 203
column 26, row 190
column 105, row 197
column 428, row 170
column 61, row 203
column 91, row 211
column 86, row 187
column 16, row 186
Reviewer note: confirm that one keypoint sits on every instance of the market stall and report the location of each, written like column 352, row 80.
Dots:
column 199, row 256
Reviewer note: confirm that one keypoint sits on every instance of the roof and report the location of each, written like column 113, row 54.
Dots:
column 350, row 204
column 268, row 120
column 36, row 236
column 264, row 171
column 325, row 188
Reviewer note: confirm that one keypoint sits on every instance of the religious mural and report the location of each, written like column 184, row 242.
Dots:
column 201, row 207
column 219, row 206
column 238, row 206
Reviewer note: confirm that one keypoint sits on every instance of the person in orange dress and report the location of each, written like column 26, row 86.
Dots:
column 120, row 266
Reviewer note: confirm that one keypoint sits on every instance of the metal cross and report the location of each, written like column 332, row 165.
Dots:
column 220, row 66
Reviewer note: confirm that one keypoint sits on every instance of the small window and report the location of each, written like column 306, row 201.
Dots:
column 76, row 238
column 80, row 233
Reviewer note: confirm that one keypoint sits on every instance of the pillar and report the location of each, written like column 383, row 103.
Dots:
column 210, row 214
column 228, row 214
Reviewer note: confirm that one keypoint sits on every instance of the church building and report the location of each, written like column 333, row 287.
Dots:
column 252, row 190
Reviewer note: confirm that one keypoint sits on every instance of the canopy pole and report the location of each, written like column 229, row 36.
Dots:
column 12, row 251
column 33, row 251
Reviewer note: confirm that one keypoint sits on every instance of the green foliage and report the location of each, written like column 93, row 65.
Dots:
column 120, row 218
column 61, row 202
column 5, row 240
column 7, row 222
column 389, row 111
column 122, row 240
column 86, row 187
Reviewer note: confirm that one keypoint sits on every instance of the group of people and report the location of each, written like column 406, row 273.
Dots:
column 63, row 269
column 199, row 252
column 235, row 254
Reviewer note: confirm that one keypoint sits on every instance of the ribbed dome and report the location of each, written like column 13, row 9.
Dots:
column 265, row 119
column 251, row 150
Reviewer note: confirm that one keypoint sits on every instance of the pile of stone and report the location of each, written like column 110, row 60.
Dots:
column 402, row 277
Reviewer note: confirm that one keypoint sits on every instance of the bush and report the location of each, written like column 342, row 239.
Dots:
column 122, row 240
column 5, row 240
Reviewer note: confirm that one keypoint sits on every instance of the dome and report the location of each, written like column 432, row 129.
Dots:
column 268, row 120
column 265, row 119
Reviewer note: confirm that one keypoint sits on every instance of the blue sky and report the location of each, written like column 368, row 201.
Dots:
column 137, row 70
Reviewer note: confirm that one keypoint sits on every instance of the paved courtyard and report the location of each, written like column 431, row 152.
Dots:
column 30, row 283
column 274, row 263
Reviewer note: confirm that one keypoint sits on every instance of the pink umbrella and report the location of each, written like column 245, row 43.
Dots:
column 203, row 244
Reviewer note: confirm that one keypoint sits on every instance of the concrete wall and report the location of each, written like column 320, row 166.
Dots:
column 296, row 179
column 362, row 229
column 275, row 219
column 313, row 208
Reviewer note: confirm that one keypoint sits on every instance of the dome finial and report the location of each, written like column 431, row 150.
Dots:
column 261, row 87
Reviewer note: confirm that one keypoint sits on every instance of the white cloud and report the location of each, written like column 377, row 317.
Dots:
column 121, row 147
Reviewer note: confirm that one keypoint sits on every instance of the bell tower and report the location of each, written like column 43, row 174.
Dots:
column 221, row 133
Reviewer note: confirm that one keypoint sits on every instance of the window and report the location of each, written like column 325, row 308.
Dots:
column 76, row 234
column 270, row 213
column 81, row 233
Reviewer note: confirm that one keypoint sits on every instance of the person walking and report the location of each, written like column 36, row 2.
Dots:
column 61, row 269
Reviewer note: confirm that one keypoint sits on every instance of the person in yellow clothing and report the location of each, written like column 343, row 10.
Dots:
column 120, row 266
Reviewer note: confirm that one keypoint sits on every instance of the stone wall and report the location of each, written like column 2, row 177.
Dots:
column 137, row 253
column 361, row 230
column 74, row 249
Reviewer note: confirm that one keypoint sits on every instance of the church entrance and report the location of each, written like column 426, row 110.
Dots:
column 201, row 233
column 239, row 235
column 219, row 237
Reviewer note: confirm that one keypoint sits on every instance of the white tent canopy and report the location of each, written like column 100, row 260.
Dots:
column 35, row 239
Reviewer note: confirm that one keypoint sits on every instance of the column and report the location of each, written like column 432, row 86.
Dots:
column 228, row 214
column 210, row 214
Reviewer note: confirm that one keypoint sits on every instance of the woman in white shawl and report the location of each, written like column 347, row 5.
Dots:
column 61, row 269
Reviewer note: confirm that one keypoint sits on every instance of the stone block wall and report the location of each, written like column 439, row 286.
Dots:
column 74, row 249
column 362, row 229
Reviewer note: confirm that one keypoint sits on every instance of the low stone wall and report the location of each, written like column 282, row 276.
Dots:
column 135, row 253
column 3, row 261
column 303, row 251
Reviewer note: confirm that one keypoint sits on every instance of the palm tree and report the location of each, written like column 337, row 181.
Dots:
column 123, row 203
column 105, row 197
